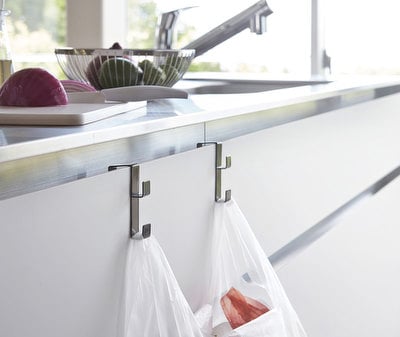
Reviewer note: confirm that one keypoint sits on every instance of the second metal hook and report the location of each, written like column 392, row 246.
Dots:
column 136, row 195
column 218, row 171
column 218, row 174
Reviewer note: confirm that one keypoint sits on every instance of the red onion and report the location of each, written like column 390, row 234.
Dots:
column 76, row 86
column 32, row 87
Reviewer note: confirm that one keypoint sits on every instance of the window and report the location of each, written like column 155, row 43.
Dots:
column 35, row 28
column 283, row 49
column 362, row 35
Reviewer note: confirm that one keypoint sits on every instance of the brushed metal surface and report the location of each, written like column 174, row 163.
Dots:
column 35, row 158
column 40, row 172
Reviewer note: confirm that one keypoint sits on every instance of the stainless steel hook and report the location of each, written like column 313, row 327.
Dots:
column 218, row 171
column 135, row 195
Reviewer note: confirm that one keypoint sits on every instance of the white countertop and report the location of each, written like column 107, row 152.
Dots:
column 38, row 157
column 18, row 142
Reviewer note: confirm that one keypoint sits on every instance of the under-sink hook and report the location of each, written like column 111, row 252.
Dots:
column 218, row 171
column 135, row 195
column 218, row 174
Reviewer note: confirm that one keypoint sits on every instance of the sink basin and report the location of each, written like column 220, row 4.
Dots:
column 206, row 86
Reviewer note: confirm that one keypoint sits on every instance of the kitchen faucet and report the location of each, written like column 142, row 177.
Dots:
column 166, row 27
column 253, row 17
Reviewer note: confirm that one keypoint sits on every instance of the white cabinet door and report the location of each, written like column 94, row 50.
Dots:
column 62, row 256
column 347, row 283
column 62, row 250
column 180, row 210
column 289, row 177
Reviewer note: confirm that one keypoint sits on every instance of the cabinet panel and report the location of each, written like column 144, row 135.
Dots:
column 62, row 254
column 347, row 283
column 62, row 250
column 289, row 177
column 180, row 210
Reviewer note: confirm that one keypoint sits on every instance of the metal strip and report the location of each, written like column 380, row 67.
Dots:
column 304, row 240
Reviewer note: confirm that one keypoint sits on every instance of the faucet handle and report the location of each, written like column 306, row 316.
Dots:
column 166, row 25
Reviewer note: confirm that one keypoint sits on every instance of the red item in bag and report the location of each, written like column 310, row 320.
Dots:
column 240, row 309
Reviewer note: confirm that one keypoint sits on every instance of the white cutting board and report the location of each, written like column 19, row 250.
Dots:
column 70, row 114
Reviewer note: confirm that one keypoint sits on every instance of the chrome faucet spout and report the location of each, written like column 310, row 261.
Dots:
column 258, row 23
column 166, row 28
column 253, row 17
column 166, row 25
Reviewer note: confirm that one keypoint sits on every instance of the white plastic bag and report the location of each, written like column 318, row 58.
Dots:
column 241, row 269
column 153, row 304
